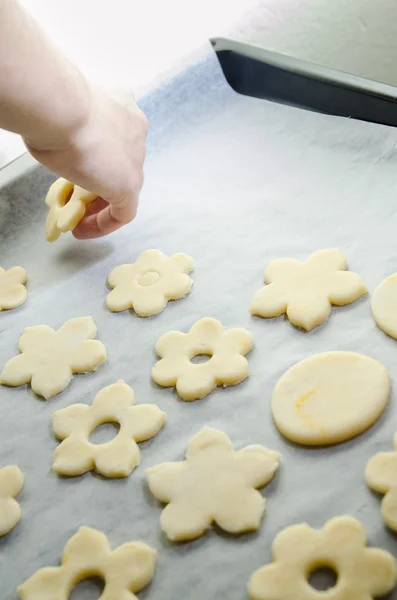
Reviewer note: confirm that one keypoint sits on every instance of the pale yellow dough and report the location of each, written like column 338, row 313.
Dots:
column 306, row 290
column 13, row 292
column 11, row 482
column 117, row 458
column 125, row 570
column 384, row 305
column 330, row 397
column 363, row 573
column 381, row 476
column 227, row 364
column 214, row 484
column 149, row 283
column 67, row 203
column 49, row 358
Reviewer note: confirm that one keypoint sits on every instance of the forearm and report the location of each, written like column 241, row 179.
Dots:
column 80, row 134
column 43, row 97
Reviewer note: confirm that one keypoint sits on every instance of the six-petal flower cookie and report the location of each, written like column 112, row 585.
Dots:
column 363, row 573
column 49, row 358
column 226, row 350
column 125, row 570
column 13, row 292
column 67, row 203
column 214, row 484
column 306, row 290
column 117, row 458
column 381, row 476
column 11, row 482
column 148, row 284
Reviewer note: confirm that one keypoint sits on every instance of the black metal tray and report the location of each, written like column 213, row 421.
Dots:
column 257, row 72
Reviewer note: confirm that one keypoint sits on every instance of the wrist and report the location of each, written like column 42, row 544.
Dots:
column 65, row 119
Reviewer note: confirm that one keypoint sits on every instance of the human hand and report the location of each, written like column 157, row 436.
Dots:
column 105, row 155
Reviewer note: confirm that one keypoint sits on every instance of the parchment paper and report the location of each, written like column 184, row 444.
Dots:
column 234, row 182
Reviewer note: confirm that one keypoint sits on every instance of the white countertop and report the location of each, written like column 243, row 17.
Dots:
column 134, row 44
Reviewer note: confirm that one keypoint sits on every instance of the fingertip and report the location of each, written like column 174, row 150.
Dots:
column 104, row 222
column 87, row 229
column 78, row 234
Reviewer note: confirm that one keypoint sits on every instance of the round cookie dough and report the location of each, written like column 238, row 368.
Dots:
column 330, row 397
column 384, row 305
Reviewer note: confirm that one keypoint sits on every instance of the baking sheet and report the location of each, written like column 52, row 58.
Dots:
column 235, row 182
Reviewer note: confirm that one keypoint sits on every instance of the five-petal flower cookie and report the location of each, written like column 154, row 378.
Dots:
column 214, row 484
column 306, row 290
column 148, row 284
column 381, row 476
column 362, row 573
column 67, row 203
column 12, row 288
column 125, row 570
column 117, row 458
column 226, row 350
column 11, row 482
column 49, row 358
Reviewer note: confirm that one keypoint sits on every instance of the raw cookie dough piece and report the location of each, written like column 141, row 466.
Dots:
column 11, row 482
column 12, row 288
column 214, row 484
column 384, row 305
column 49, row 358
column 117, row 458
column 381, row 476
column 226, row 365
column 67, row 203
column 125, row 570
column 299, row 550
column 306, row 290
column 330, row 397
column 148, row 284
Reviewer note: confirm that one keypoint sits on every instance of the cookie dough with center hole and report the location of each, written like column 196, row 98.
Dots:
column 125, row 570
column 362, row 573
column 330, row 397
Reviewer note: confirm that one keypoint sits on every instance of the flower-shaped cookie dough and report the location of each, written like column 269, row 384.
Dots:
column 49, row 358
column 213, row 484
column 11, row 482
column 125, row 570
column 362, row 573
column 149, row 283
column 67, row 203
column 226, row 350
column 12, row 288
column 305, row 291
column 114, row 404
column 381, row 476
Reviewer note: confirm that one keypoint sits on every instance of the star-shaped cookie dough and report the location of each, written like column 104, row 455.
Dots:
column 214, row 484
column 49, row 358
column 306, row 290
column 11, row 482
column 13, row 292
